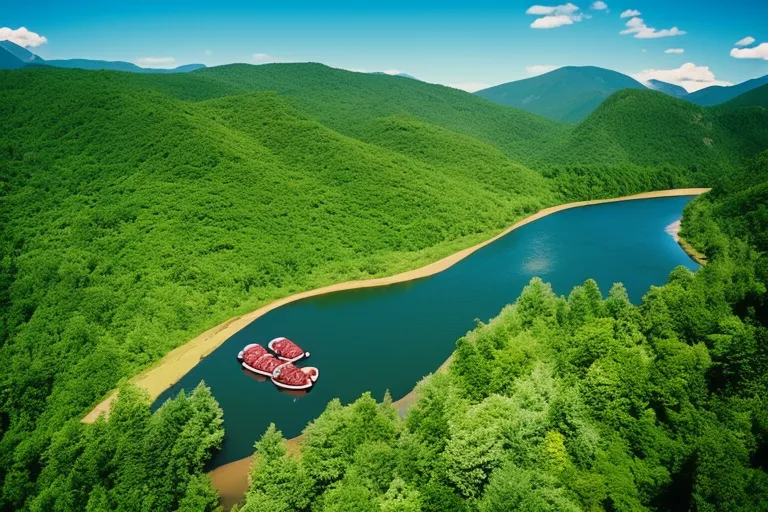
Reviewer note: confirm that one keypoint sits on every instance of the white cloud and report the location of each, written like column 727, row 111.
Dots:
column 155, row 62
column 545, row 10
column 675, row 50
column 630, row 13
column 265, row 58
column 22, row 37
column 555, row 16
column 208, row 53
column 552, row 22
column 392, row 72
column 262, row 58
column 745, row 42
column 758, row 52
column 599, row 6
column 689, row 76
column 470, row 86
column 642, row 31
column 540, row 69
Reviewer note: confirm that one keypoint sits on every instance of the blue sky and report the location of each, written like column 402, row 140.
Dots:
column 466, row 44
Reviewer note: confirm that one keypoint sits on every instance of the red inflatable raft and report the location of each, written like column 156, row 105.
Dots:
column 255, row 358
column 287, row 350
column 288, row 376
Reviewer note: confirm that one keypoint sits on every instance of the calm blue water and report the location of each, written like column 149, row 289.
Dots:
column 390, row 337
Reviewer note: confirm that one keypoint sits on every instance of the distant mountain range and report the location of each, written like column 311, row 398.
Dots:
column 13, row 56
column 719, row 94
column 757, row 97
column 404, row 75
column 570, row 94
column 671, row 89
column 566, row 94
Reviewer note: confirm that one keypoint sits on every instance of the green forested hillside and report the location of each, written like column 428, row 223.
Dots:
column 652, row 129
column 736, row 208
column 577, row 404
column 567, row 94
column 615, row 134
column 757, row 97
column 140, row 210
column 648, row 140
column 350, row 102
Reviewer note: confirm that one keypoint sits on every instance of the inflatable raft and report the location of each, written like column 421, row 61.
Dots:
column 280, row 369
column 292, row 377
column 256, row 359
column 287, row 350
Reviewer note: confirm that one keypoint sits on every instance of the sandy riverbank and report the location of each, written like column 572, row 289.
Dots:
column 182, row 359
column 674, row 230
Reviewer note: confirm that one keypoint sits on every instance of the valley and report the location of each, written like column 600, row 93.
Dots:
column 140, row 210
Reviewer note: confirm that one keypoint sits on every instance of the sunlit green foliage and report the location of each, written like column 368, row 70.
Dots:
column 643, row 127
column 138, row 211
column 136, row 460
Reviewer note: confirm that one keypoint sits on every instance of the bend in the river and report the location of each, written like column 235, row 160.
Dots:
column 389, row 337
column 177, row 363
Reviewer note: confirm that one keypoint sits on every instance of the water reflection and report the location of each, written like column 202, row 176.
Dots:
column 295, row 393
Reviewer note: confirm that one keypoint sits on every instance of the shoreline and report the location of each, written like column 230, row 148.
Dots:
column 179, row 361
column 231, row 479
column 691, row 251
column 674, row 230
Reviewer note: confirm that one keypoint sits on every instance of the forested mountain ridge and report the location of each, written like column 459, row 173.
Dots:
column 653, row 129
column 757, row 97
column 351, row 102
column 140, row 210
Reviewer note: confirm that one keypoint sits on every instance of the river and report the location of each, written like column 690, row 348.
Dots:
column 383, row 338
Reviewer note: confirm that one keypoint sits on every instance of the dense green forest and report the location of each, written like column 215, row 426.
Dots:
column 140, row 210
column 136, row 460
column 757, row 97
column 571, row 404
